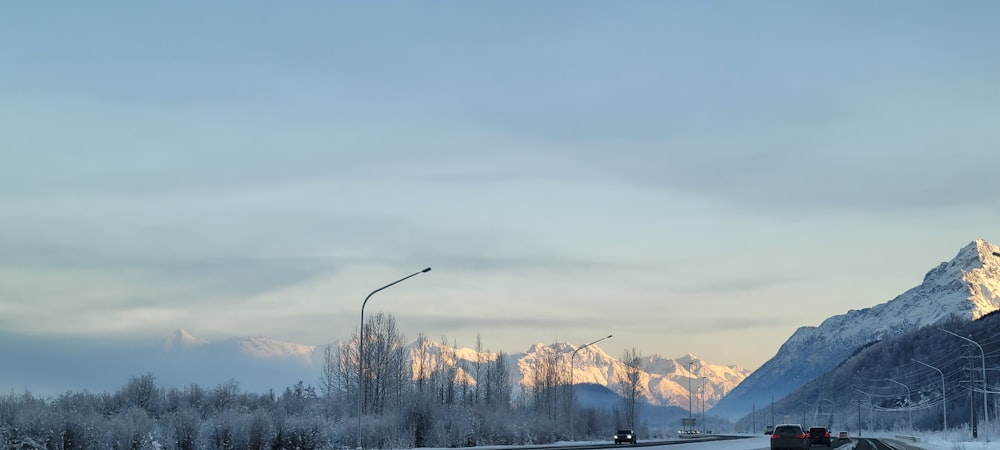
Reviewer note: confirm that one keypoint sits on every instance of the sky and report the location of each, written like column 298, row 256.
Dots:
column 691, row 177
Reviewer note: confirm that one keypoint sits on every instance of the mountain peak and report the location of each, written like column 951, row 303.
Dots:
column 265, row 347
column 688, row 358
column 966, row 287
column 665, row 381
column 987, row 251
column 182, row 339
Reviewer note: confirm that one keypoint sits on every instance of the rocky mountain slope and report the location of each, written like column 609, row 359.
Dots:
column 967, row 287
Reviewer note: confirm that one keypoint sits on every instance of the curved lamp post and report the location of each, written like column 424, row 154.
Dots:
column 944, row 399
column 812, row 406
column 572, row 385
column 361, row 346
column 909, row 406
column 832, row 411
column 986, row 408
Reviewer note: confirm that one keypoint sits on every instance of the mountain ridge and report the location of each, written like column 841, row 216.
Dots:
column 966, row 287
column 665, row 381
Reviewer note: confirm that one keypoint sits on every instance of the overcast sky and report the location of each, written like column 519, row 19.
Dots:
column 693, row 177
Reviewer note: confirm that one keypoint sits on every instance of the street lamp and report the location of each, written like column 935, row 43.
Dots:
column 704, row 393
column 944, row 399
column 690, row 394
column 832, row 410
column 572, row 384
column 909, row 409
column 810, row 405
column 361, row 346
column 986, row 409
column 871, row 412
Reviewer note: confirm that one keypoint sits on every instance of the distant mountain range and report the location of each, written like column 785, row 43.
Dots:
column 965, row 288
column 665, row 381
column 259, row 346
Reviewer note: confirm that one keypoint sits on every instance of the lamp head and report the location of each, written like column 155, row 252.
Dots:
column 426, row 270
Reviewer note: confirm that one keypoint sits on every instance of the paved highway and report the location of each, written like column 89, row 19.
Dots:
column 721, row 442
column 876, row 444
column 591, row 446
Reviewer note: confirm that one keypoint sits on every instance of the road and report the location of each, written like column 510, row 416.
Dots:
column 733, row 443
column 875, row 444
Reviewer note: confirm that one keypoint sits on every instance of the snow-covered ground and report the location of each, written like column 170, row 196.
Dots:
column 945, row 441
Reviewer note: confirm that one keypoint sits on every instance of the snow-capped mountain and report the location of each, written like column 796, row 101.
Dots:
column 665, row 382
column 182, row 339
column 255, row 346
column 967, row 287
column 265, row 347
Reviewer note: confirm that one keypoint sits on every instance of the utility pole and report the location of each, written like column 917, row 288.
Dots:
column 859, row 417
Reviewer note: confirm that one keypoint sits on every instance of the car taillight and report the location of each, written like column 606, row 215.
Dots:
column 775, row 436
column 827, row 434
column 804, row 436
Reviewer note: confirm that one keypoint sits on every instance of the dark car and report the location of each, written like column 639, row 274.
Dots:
column 789, row 436
column 819, row 435
column 625, row 435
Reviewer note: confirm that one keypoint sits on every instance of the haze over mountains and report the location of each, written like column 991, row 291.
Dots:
column 967, row 287
column 259, row 364
column 665, row 381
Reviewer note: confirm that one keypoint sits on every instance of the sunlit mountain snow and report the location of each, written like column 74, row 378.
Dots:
column 965, row 288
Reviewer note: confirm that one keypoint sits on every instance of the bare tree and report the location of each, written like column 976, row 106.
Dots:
column 498, row 387
column 549, row 377
column 347, row 370
column 630, row 386
column 385, row 357
column 479, row 369
column 328, row 379
column 422, row 363
column 445, row 373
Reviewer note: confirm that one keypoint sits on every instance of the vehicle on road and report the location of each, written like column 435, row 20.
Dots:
column 789, row 436
column 843, row 436
column 625, row 435
column 769, row 429
column 819, row 435
column 688, row 434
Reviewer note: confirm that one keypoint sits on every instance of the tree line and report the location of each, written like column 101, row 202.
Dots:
column 425, row 398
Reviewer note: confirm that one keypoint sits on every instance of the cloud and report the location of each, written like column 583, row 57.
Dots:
column 732, row 285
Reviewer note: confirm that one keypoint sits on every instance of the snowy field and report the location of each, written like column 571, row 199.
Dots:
column 942, row 441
